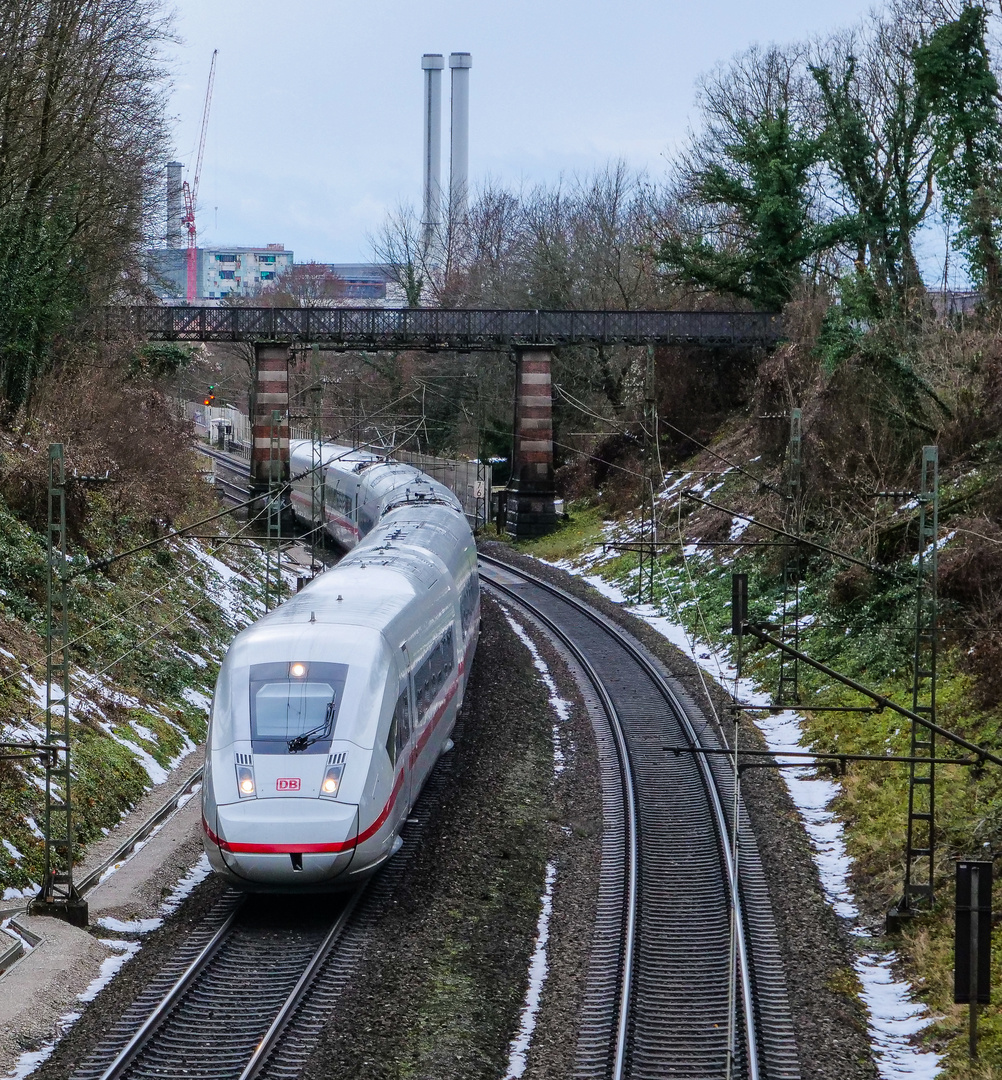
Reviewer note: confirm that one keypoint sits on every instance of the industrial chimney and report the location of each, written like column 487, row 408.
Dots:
column 175, row 205
column 459, row 165
column 432, row 65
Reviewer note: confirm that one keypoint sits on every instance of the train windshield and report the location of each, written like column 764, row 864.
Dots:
column 294, row 706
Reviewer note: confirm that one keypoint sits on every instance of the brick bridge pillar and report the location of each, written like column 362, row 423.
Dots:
column 269, row 394
column 531, row 492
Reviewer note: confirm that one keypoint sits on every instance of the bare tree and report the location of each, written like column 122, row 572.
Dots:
column 310, row 285
column 400, row 247
column 82, row 142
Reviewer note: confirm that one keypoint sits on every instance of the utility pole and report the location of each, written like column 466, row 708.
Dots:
column 648, row 546
column 920, row 844
column 920, row 855
column 788, row 691
column 58, row 895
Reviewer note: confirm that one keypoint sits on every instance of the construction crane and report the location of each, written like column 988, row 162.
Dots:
column 191, row 190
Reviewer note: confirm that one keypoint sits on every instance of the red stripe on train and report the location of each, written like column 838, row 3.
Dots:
column 308, row 849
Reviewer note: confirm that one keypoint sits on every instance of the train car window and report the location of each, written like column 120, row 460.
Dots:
column 391, row 739
column 341, row 503
column 400, row 728
column 424, row 685
column 433, row 673
column 402, row 722
column 468, row 602
column 294, row 706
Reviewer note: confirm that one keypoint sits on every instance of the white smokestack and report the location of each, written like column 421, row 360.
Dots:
column 175, row 205
column 432, row 65
column 459, row 166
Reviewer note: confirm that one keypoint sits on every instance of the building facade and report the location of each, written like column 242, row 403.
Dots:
column 221, row 271
column 245, row 271
column 240, row 271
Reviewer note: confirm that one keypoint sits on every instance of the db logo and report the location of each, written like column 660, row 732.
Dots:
column 288, row 783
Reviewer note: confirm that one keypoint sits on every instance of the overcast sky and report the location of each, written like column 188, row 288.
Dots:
column 315, row 129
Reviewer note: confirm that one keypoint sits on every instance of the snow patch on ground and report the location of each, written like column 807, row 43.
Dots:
column 11, row 893
column 187, row 885
column 129, row 926
column 12, row 851
column 111, row 966
column 560, row 705
column 518, row 1051
column 156, row 772
column 197, row 698
column 229, row 597
column 738, row 526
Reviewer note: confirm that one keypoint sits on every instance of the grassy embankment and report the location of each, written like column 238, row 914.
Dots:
column 147, row 635
column 861, row 625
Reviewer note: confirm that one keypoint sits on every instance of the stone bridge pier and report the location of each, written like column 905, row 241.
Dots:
column 531, row 491
column 269, row 394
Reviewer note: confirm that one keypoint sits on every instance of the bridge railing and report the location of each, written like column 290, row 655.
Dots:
column 448, row 328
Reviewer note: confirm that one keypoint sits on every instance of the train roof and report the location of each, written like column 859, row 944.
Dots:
column 301, row 454
column 368, row 593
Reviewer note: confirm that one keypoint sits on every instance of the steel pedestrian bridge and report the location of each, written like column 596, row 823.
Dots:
column 460, row 329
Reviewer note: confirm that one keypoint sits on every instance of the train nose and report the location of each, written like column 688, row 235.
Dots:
column 285, row 842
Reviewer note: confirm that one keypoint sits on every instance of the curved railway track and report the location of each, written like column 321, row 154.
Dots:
column 230, row 474
column 665, row 899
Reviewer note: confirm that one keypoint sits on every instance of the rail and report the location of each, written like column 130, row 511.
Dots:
column 179, row 1017
column 778, row 1058
column 630, row 813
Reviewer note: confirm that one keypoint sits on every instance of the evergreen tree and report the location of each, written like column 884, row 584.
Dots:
column 953, row 70
column 768, row 229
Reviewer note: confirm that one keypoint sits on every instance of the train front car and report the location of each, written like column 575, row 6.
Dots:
column 299, row 790
column 330, row 712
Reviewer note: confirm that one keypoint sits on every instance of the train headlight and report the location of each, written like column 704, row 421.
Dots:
column 332, row 781
column 297, row 670
column 245, row 782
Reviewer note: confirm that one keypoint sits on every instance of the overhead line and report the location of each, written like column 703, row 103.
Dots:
column 688, row 493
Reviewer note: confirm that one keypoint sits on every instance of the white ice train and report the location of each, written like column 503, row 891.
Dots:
column 330, row 712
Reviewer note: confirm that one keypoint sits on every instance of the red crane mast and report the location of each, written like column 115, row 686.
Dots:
column 191, row 191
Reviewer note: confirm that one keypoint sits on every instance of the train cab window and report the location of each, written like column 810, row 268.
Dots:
column 434, row 672
column 400, row 728
column 294, row 706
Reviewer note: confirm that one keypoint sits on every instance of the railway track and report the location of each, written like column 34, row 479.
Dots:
column 660, row 1001
column 241, row 982
column 230, row 474
column 248, row 993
